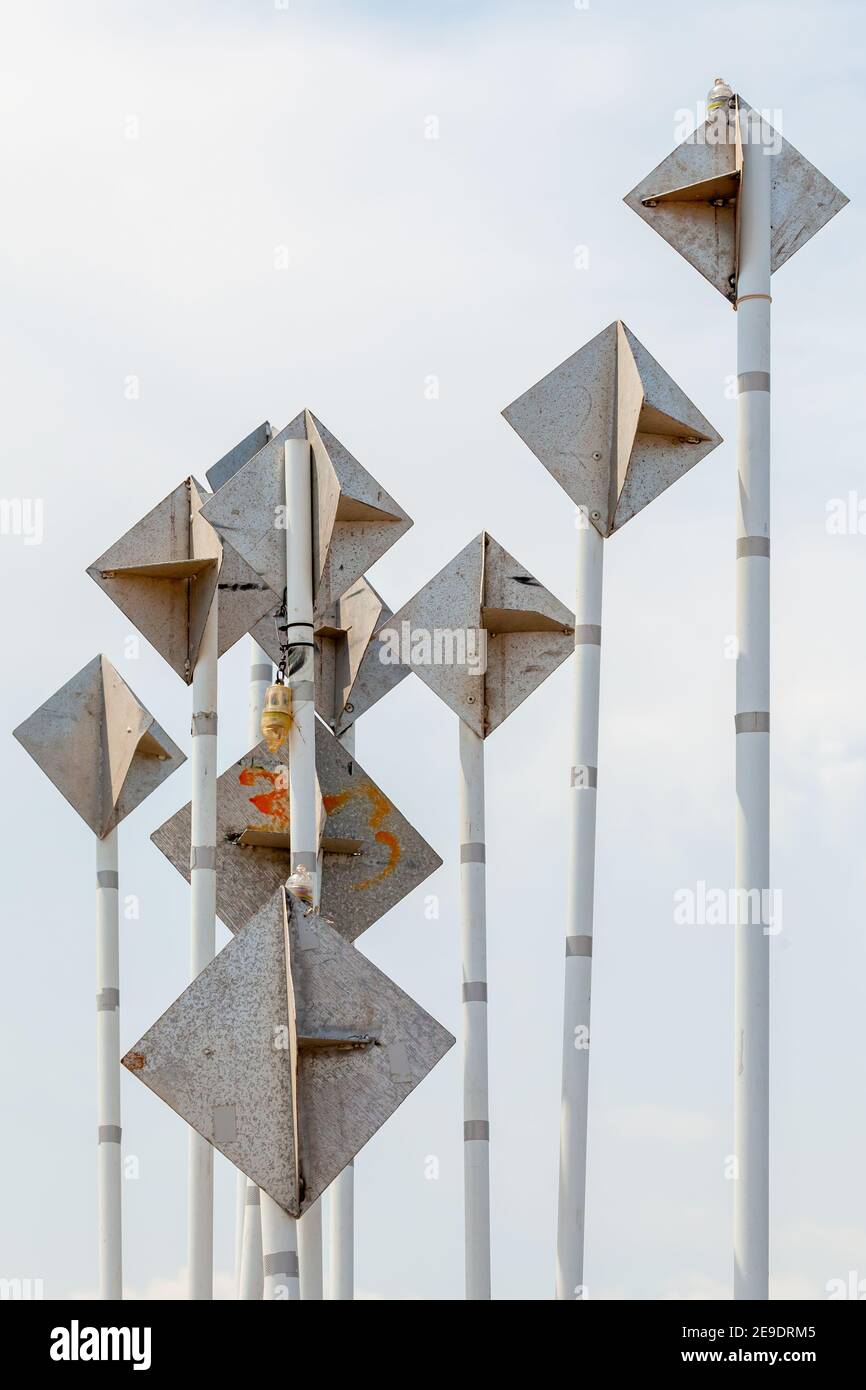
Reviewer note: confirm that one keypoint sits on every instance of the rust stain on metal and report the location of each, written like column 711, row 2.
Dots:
column 134, row 1061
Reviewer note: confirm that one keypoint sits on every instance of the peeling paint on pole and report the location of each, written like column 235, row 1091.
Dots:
column 289, row 1051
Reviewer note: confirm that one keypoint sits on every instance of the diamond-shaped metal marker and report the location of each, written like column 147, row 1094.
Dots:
column 99, row 746
column 228, row 465
column 163, row 575
column 692, row 198
column 484, row 633
column 354, row 519
column 372, row 857
column 612, row 427
column 289, row 1051
column 351, row 674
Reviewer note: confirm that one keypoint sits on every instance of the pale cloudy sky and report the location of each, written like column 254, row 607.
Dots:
column 295, row 136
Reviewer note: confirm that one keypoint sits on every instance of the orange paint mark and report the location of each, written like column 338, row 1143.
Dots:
column 384, row 838
column 275, row 803
column 380, row 810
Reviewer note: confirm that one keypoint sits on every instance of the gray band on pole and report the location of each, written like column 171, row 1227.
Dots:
column 475, row 992
column 587, row 634
column 106, row 878
column 253, row 1197
column 204, row 723
column 476, row 1129
column 305, row 859
column 753, row 721
column 108, row 1134
column 202, row 857
column 753, row 545
column 284, row 1262
column 584, row 776
column 472, row 852
column 263, row 671
column 578, row 945
column 753, row 381
column 107, row 999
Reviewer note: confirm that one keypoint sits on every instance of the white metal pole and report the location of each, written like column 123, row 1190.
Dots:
column 280, row 1252
column 251, row 1282
column 109, row 1176
column 473, row 951
column 751, row 956
column 303, row 826
column 341, row 1195
column 310, row 1252
column 248, row 1217
column 240, row 1210
column 202, row 934
column 578, row 940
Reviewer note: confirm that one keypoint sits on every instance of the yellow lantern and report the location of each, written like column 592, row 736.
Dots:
column 277, row 717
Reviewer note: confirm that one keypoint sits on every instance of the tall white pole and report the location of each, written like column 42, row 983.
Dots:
column 578, row 940
column 751, row 956
column 109, row 1176
column 280, row 1247
column 303, row 826
column 310, row 1252
column 341, row 1195
column 251, row 1280
column 248, row 1217
column 473, row 951
column 202, row 934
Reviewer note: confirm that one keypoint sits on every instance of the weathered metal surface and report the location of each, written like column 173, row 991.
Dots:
column 354, row 519
column 228, row 465
column 219, row 1056
column 612, row 427
column 483, row 634
column 99, row 746
column 289, row 1051
column 692, row 198
column 350, row 673
column 243, row 597
column 372, row 857
column 163, row 574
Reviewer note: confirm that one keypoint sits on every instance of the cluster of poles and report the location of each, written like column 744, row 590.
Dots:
column 291, row 526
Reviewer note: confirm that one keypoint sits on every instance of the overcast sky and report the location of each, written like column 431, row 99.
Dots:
column 402, row 215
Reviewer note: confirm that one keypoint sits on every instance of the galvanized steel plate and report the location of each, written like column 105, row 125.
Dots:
column 220, row 1057
column 483, row 634
column 376, row 860
column 163, row 574
column 228, row 465
column 612, row 427
column 354, row 519
column 678, row 199
column 351, row 674
column 100, row 747
column 254, row 1054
